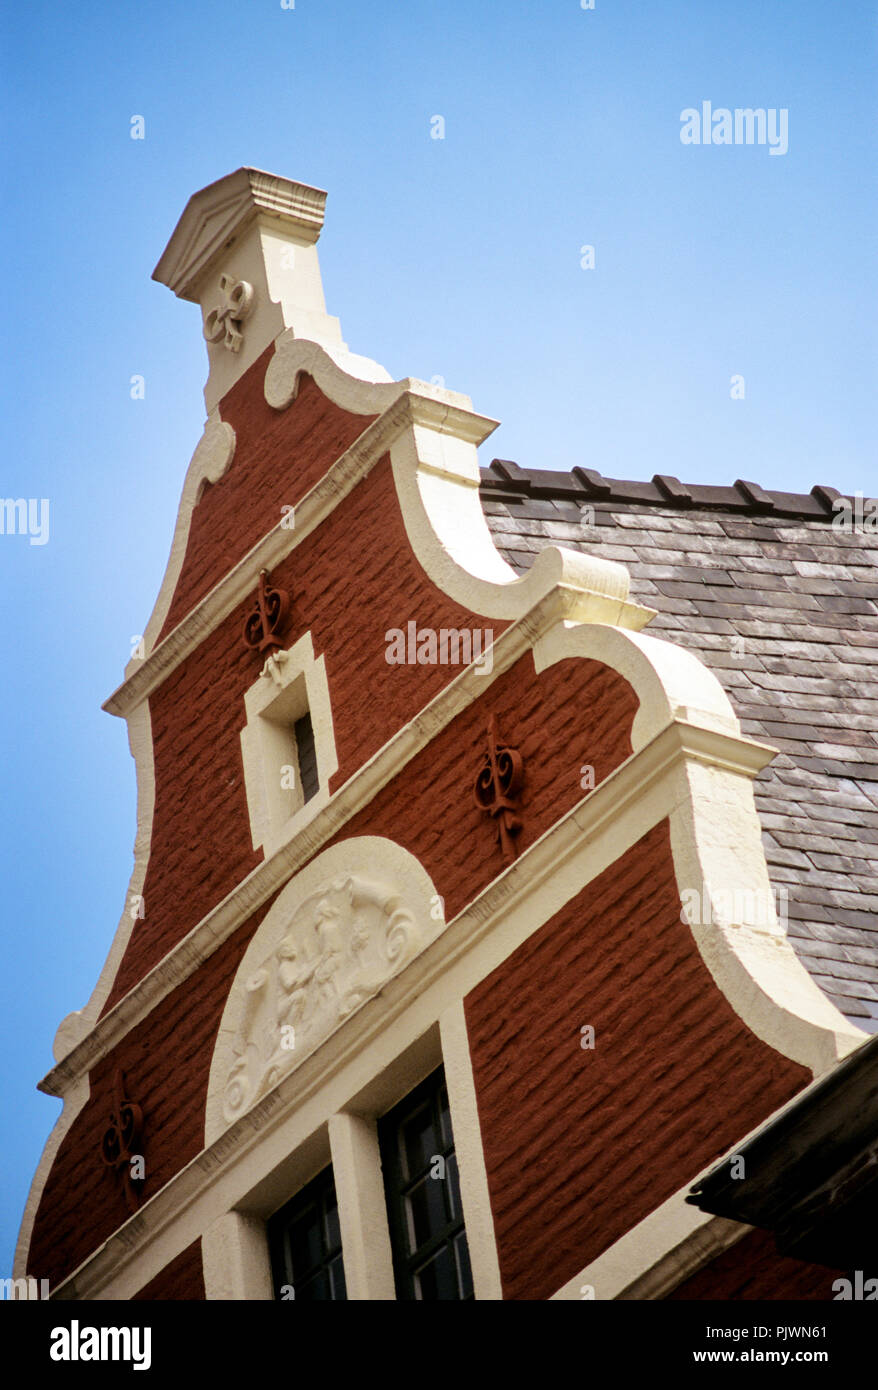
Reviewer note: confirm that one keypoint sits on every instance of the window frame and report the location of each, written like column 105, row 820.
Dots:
column 277, row 1228
column 397, row 1185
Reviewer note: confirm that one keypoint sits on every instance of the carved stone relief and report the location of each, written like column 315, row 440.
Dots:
column 328, row 952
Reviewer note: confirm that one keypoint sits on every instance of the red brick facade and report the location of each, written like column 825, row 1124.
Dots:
column 579, row 1144
column 350, row 582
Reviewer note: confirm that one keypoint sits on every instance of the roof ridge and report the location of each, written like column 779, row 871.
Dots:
column 587, row 484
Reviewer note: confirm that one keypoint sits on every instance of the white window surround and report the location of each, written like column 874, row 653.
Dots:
column 235, row 1248
column 292, row 683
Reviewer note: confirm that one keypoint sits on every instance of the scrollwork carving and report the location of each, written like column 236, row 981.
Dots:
column 341, row 945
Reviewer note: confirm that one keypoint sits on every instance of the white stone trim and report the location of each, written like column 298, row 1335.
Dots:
column 292, row 683
column 703, row 1245
column 684, row 770
column 258, row 231
column 217, row 214
column 362, row 1207
column 437, row 481
column 749, row 957
column 235, row 1259
column 474, row 1192
column 74, row 1100
column 638, row 654
column 145, row 675
column 431, row 435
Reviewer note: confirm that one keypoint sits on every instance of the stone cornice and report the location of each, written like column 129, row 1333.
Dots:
column 215, row 215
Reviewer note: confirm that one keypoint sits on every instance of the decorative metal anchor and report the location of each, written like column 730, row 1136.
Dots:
column 498, row 789
column 122, row 1138
column 263, row 625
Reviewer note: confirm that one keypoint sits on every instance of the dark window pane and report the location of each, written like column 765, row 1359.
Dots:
column 307, row 756
column 333, row 1230
column 430, row 1257
column 437, row 1279
column 419, row 1142
column 427, row 1215
column 336, row 1274
column 314, row 1290
column 445, row 1119
column 305, row 1243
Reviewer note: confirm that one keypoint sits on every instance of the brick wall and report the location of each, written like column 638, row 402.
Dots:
column 617, row 957
column 580, row 1144
column 576, row 712
column 279, row 456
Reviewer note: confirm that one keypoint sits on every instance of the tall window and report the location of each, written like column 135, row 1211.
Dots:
column 305, row 1243
column 430, row 1255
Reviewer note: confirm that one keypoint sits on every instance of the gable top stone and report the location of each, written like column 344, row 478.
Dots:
column 245, row 250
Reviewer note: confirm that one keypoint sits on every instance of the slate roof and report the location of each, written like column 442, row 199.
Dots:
column 783, row 607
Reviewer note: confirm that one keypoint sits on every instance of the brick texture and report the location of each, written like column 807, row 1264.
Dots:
column 576, row 712
column 279, row 456
column 351, row 581
column 166, row 1060
column 581, row 1144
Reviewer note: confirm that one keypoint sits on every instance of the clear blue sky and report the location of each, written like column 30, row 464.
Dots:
column 457, row 257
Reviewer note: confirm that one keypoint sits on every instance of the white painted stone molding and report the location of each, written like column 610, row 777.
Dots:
column 433, row 450
column 260, row 232
column 223, row 322
column 344, row 926
column 716, row 838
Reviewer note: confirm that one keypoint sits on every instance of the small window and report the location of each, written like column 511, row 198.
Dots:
column 306, row 756
column 430, row 1254
column 287, row 745
column 305, row 1243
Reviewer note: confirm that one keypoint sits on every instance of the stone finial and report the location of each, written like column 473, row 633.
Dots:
column 245, row 250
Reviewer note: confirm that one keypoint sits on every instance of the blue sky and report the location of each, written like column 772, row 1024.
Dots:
column 457, row 258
